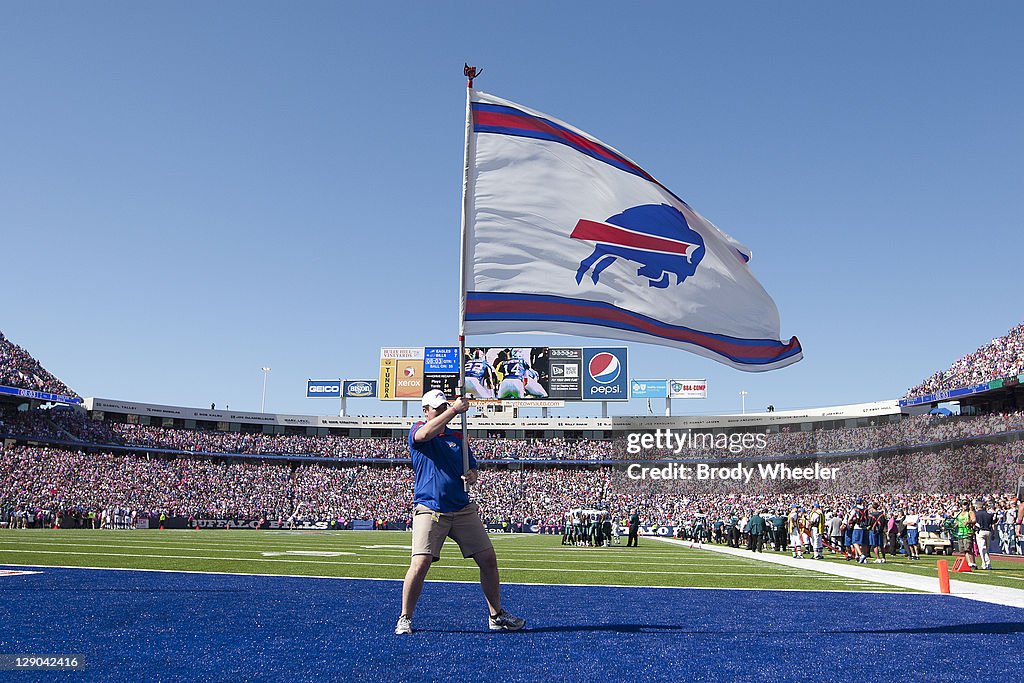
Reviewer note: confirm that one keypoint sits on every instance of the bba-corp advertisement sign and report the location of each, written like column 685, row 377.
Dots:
column 605, row 374
column 323, row 388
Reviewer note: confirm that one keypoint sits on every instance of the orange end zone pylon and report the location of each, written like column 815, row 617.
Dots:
column 943, row 576
column 961, row 565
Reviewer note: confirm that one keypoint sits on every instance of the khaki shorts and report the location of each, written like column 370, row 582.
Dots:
column 429, row 529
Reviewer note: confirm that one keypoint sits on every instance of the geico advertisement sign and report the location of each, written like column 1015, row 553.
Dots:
column 323, row 389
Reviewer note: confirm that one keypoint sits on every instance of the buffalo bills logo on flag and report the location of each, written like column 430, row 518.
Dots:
column 656, row 236
column 565, row 234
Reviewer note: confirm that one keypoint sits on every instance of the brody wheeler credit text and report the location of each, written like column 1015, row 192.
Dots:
column 666, row 440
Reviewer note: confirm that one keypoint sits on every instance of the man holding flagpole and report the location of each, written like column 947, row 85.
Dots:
column 442, row 508
column 563, row 234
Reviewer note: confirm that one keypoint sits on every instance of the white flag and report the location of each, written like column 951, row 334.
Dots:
column 566, row 235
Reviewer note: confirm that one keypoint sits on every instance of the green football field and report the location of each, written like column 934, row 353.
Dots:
column 385, row 555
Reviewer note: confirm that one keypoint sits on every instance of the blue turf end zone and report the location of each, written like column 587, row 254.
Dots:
column 135, row 626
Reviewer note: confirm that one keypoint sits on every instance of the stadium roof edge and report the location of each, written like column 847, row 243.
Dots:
column 826, row 413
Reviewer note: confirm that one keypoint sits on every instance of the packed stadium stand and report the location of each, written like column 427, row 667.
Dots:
column 91, row 463
column 72, row 426
column 20, row 370
column 1002, row 357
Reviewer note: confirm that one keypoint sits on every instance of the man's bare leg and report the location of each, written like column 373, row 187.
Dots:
column 487, row 560
column 413, row 585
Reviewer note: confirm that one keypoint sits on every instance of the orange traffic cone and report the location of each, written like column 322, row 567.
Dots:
column 961, row 565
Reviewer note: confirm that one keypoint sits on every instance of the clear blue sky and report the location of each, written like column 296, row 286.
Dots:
column 190, row 191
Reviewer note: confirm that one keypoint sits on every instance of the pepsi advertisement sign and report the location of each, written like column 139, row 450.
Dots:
column 605, row 374
column 359, row 388
column 323, row 388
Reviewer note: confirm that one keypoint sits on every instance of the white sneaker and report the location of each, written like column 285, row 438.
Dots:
column 503, row 621
column 403, row 626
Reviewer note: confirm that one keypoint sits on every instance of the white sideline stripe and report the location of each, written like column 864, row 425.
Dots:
column 271, row 548
column 928, row 570
column 981, row 592
column 504, row 583
column 403, row 565
column 222, row 542
column 582, row 552
column 208, row 536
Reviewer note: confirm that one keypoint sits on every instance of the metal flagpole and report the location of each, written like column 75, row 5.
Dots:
column 471, row 73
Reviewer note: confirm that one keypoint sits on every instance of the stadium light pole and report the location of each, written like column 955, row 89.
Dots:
column 743, row 401
column 263, row 401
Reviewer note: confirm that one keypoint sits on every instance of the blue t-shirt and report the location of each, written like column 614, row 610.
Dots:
column 438, row 467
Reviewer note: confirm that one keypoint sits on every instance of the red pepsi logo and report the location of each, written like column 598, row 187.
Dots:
column 604, row 368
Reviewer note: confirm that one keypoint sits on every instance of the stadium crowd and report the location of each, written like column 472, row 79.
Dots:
column 20, row 370
column 33, row 423
column 343, row 446
column 46, row 482
column 41, row 486
column 1002, row 357
column 909, row 431
column 72, row 425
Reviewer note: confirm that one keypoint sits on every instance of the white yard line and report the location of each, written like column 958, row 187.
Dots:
column 998, row 595
column 16, row 545
column 44, row 567
column 404, row 565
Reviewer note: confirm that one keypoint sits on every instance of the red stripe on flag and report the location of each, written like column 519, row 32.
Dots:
column 724, row 347
column 603, row 232
column 490, row 118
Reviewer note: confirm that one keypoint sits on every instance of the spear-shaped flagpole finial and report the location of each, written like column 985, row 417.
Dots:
column 471, row 72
